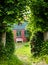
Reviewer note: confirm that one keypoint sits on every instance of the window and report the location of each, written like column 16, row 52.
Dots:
column 26, row 33
column 19, row 33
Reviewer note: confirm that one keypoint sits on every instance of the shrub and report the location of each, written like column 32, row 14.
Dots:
column 7, row 51
column 12, row 61
column 9, row 44
column 44, row 50
column 36, row 43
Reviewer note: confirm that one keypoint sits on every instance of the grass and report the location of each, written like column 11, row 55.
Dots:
column 12, row 61
column 23, row 52
column 46, row 58
column 22, row 56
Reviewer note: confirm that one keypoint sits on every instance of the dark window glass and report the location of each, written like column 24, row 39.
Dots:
column 18, row 33
column 26, row 33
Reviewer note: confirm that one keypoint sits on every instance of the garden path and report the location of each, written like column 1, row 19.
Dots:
column 23, row 57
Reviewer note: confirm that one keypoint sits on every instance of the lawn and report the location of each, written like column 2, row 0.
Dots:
column 23, row 49
column 21, row 57
column 23, row 52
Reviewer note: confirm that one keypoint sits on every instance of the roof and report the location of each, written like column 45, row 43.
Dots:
column 20, row 27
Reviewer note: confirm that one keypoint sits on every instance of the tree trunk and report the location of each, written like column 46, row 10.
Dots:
column 45, row 36
column 3, row 39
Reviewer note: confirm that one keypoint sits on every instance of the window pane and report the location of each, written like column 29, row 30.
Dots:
column 26, row 33
column 19, row 33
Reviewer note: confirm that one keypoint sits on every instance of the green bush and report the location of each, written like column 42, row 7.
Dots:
column 7, row 51
column 44, row 50
column 12, row 61
column 9, row 44
column 36, row 43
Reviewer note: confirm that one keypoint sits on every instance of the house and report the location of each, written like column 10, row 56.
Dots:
column 20, row 33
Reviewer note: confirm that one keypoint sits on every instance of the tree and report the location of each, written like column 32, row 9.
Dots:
column 39, row 15
column 10, row 11
column 38, row 21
